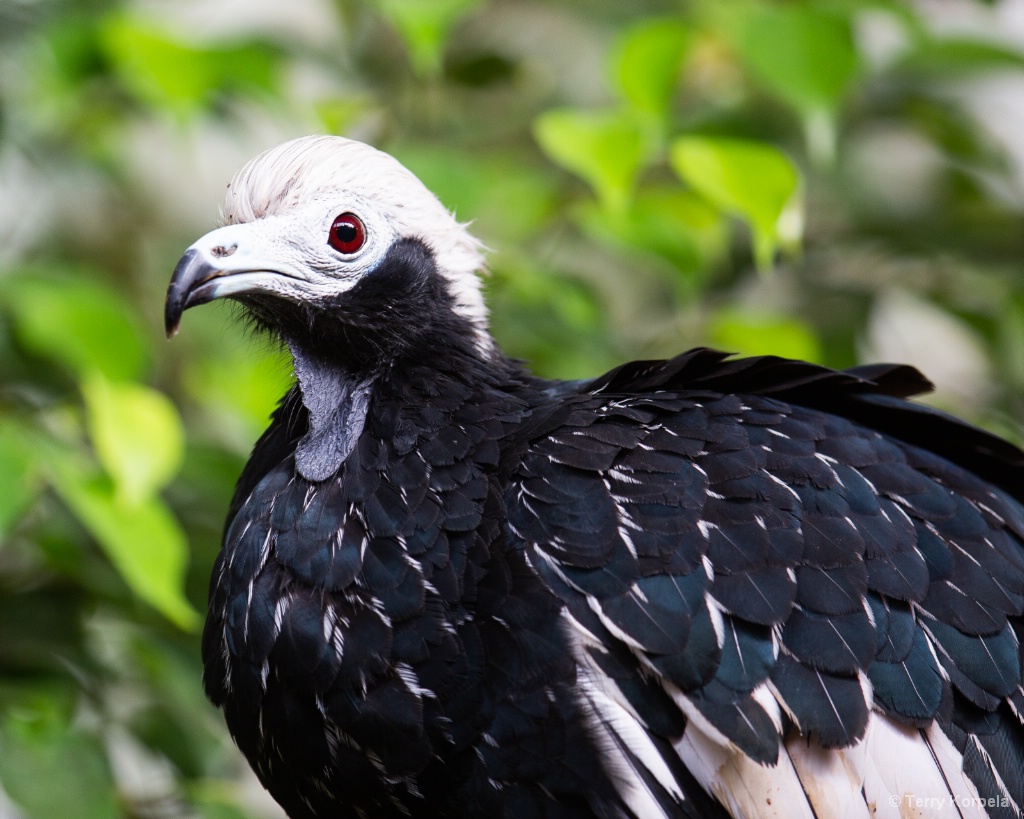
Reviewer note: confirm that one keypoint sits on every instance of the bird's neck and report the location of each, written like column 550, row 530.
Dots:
column 337, row 401
column 338, row 395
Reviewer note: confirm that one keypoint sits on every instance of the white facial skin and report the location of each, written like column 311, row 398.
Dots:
column 288, row 254
column 280, row 208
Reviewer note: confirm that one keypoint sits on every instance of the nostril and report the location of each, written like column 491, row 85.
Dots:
column 220, row 251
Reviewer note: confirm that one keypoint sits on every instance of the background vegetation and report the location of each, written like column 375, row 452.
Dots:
column 837, row 181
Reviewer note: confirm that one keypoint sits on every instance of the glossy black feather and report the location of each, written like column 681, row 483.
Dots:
column 438, row 628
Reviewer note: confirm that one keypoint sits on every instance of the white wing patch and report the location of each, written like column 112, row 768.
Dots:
column 913, row 772
column 895, row 771
column 744, row 787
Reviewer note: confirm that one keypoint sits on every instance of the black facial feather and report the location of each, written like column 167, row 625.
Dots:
column 401, row 308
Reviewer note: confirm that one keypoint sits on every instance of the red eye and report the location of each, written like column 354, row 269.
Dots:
column 347, row 233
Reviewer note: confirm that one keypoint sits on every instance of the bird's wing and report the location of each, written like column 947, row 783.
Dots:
column 735, row 560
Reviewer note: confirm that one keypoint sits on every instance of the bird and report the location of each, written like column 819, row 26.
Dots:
column 705, row 586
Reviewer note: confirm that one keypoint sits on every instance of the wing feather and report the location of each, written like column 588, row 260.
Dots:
column 758, row 538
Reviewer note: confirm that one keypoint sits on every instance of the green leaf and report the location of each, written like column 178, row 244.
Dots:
column 337, row 114
column 241, row 383
column 803, row 53
column 478, row 187
column 671, row 222
column 606, row 149
column 752, row 180
column 137, row 435
column 221, row 810
column 19, row 481
column 648, row 61
column 567, row 337
column 424, row 26
column 764, row 333
column 47, row 765
column 1010, row 340
column 216, row 799
column 162, row 71
column 142, row 540
column 955, row 56
column 76, row 321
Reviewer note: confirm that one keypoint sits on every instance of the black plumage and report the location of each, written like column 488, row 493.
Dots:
column 448, row 588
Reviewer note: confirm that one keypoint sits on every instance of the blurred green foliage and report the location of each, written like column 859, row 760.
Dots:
column 825, row 180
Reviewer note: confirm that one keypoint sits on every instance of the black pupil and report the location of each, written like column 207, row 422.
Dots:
column 346, row 232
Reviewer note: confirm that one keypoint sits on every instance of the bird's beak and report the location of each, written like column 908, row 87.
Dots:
column 193, row 283
column 229, row 261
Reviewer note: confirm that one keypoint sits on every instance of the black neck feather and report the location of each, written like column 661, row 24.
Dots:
column 402, row 310
column 396, row 330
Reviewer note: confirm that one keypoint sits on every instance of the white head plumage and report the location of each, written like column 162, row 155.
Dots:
column 321, row 168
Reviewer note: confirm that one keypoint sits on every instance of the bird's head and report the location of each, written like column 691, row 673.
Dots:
column 327, row 241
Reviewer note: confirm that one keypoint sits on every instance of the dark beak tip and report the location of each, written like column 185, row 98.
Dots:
column 188, row 274
column 172, row 313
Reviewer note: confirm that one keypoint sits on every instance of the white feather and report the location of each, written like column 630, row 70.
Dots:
column 895, row 771
column 832, row 779
column 913, row 772
column 613, row 724
column 746, row 788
